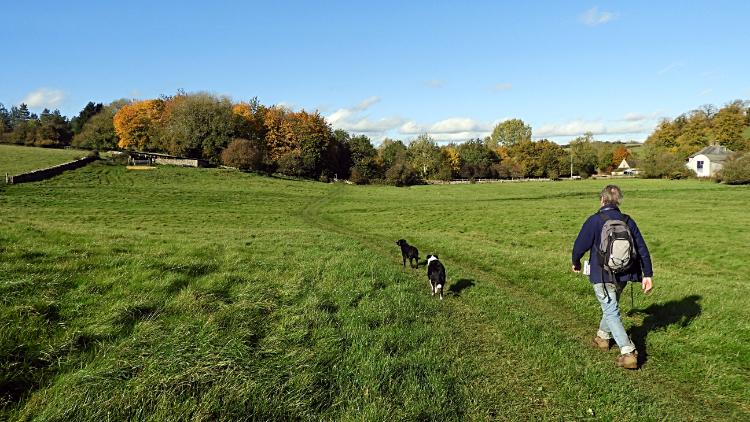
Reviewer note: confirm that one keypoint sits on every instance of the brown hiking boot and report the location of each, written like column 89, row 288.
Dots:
column 628, row 360
column 601, row 343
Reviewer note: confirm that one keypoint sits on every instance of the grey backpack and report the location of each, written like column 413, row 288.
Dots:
column 617, row 251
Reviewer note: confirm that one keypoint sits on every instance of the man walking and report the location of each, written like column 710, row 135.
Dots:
column 608, row 290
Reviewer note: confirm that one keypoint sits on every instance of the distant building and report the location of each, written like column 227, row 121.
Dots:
column 709, row 160
column 627, row 166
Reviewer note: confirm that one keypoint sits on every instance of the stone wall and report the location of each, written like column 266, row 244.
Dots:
column 182, row 162
column 37, row 175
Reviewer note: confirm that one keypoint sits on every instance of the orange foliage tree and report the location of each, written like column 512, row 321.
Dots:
column 620, row 155
column 303, row 132
column 135, row 123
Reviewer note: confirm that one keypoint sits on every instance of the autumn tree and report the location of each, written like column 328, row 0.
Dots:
column 619, row 155
column 730, row 123
column 135, row 124
column 243, row 155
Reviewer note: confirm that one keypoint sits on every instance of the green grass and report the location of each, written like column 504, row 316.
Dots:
column 215, row 295
column 17, row 159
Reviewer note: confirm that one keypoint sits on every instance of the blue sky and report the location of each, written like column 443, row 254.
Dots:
column 391, row 69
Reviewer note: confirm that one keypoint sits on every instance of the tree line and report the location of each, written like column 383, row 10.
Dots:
column 254, row 137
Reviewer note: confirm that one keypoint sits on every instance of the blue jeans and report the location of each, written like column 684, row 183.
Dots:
column 611, row 323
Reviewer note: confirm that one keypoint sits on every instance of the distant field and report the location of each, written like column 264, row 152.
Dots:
column 210, row 294
column 17, row 159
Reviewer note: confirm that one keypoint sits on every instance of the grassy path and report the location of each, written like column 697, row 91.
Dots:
column 528, row 355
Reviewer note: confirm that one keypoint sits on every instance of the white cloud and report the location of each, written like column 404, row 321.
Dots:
column 502, row 87
column 670, row 67
column 452, row 129
column 705, row 92
column 46, row 98
column 349, row 120
column 362, row 106
column 595, row 17
column 631, row 124
column 435, row 83
column 134, row 93
column 285, row 104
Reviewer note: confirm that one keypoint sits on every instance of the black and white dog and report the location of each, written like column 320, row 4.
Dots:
column 436, row 274
column 408, row 252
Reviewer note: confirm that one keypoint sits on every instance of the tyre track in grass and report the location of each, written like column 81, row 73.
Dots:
column 521, row 381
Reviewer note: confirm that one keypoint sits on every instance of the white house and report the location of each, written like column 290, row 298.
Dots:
column 627, row 166
column 709, row 160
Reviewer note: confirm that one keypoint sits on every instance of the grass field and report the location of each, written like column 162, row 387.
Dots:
column 210, row 294
column 17, row 159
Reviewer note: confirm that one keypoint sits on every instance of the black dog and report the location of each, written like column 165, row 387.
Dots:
column 436, row 274
column 408, row 252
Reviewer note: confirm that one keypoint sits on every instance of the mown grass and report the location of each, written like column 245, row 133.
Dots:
column 210, row 294
column 16, row 160
column 507, row 251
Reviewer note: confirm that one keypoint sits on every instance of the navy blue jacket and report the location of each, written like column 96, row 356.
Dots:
column 590, row 237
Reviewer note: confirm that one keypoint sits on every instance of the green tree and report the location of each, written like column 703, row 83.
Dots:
column 509, row 133
column 475, row 151
column 91, row 109
column 392, row 152
column 98, row 132
column 736, row 170
column 201, row 125
column 585, row 156
column 424, row 155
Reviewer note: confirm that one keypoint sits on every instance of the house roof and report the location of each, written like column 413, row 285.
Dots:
column 628, row 163
column 715, row 153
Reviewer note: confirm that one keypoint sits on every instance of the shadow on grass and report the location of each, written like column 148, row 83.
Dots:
column 677, row 312
column 459, row 286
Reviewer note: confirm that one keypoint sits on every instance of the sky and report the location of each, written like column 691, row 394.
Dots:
column 394, row 69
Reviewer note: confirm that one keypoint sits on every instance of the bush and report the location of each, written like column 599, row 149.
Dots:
column 736, row 170
column 401, row 175
column 666, row 165
column 293, row 164
column 243, row 155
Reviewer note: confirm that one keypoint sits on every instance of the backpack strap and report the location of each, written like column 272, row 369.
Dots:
column 625, row 218
column 604, row 216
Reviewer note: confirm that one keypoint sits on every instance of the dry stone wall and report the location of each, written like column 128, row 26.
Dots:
column 37, row 175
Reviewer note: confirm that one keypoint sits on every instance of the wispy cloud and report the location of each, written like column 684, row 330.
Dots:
column 46, row 98
column 366, row 103
column 639, row 117
column 435, row 83
column 322, row 108
column 595, row 17
column 705, row 92
column 672, row 66
column 502, row 87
